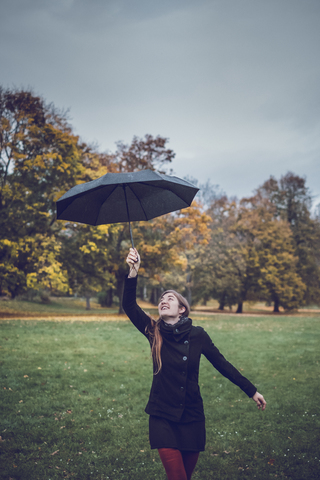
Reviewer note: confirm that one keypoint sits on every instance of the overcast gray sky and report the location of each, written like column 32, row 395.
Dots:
column 234, row 84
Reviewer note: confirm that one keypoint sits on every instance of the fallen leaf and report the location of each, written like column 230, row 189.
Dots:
column 225, row 451
column 142, row 451
column 25, row 376
column 54, row 452
column 63, row 427
column 39, row 368
column 1, row 440
column 21, row 401
column 271, row 461
column 69, row 411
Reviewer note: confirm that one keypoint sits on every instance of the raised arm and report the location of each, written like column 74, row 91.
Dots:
column 137, row 316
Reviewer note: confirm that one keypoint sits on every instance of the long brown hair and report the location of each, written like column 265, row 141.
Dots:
column 153, row 330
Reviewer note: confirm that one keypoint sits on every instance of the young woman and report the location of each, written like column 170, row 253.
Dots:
column 177, row 422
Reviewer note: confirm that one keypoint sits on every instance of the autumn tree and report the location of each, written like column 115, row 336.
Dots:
column 87, row 259
column 39, row 158
column 191, row 227
column 218, row 264
column 143, row 153
column 270, row 263
column 292, row 201
column 250, row 256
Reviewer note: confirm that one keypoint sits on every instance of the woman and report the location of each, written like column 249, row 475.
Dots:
column 177, row 422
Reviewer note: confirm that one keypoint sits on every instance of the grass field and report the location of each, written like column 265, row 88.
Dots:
column 73, row 394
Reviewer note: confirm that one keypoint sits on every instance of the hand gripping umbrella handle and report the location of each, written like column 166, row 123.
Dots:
column 125, row 196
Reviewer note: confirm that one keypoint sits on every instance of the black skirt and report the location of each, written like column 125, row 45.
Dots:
column 182, row 436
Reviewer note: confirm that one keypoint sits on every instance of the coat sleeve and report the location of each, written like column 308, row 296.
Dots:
column 211, row 352
column 137, row 316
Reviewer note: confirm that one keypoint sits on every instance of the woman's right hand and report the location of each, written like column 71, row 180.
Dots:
column 133, row 260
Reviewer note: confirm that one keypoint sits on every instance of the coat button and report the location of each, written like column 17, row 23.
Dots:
column 177, row 330
column 186, row 342
column 184, row 358
column 181, row 388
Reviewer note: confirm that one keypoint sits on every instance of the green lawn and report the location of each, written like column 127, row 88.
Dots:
column 72, row 401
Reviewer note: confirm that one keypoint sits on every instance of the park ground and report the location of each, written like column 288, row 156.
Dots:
column 73, row 392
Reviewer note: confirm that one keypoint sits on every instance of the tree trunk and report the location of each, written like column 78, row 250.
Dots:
column 221, row 305
column 240, row 305
column 120, row 288
column 189, row 295
column 188, row 287
column 276, row 306
column 222, row 302
column 88, row 306
column 142, row 292
column 155, row 295
column 109, row 298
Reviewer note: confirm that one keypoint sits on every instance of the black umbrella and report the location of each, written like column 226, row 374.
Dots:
column 125, row 197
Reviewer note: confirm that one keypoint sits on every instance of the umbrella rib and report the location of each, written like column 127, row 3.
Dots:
column 115, row 187
column 143, row 183
column 162, row 188
column 159, row 186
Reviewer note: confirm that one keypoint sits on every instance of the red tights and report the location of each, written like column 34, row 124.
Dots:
column 178, row 465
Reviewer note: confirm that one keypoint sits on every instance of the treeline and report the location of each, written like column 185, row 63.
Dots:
column 262, row 248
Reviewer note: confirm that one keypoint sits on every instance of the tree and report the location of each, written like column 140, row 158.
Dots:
column 269, row 256
column 193, row 235
column 86, row 258
column 219, row 262
column 40, row 158
column 250, row 255
column 148, row 153
column 292, row 201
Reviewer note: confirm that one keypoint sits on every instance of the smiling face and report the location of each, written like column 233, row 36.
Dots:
column 169, row 308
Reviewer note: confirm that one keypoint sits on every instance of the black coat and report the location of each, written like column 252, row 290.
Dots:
column 175, row 393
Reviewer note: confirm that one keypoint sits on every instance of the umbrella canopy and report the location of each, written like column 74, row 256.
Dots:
column 125, row 197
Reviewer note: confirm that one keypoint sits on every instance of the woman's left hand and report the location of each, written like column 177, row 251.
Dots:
column 260, row 401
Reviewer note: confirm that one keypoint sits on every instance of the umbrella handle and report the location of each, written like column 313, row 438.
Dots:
column 125, row 196
column 131, row 235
